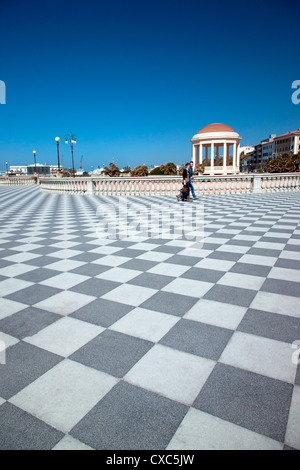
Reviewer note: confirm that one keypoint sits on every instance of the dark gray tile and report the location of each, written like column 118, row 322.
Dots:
column 41, row 261
column 231, row 295
column 197, row 338
column 90, row 269
column 45, row 250
column 237, row 242
column 102, row 312
column 129, row 253
column 270, row 325
column 27, row 322
column 153, row 281
column 166, row 302
column 33, row 294
column 224, row 255
column 264, row 252
column 86, row 257
column 112, row 352
column 251, row 269
column 184, row 260
column 253, row 401
column 200, row 274
column 278, row 286
column 22, row 431
column 287, row 263
column 37, row 275
column 138, row 264
column 130, row 418
column 167, row 249
column 95, row 287
column 24, row 363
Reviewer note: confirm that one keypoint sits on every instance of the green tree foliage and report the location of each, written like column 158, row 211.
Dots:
column 166, row 169
column 140, row 170
column 199, row 168
column 284, row 164
column 112, row 170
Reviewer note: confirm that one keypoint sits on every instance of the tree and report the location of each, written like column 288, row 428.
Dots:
column 199, row 168
column 169, row 169
column 140, row 170
column 113, row 170
column 284, row 164
column 156, row 171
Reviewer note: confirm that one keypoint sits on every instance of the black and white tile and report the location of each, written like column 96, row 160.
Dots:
column 143, row 342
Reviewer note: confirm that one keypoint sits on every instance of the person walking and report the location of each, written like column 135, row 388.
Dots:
column 191, row 180
column 186, row 182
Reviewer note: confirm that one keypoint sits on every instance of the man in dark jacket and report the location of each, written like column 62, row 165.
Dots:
column 186, row 181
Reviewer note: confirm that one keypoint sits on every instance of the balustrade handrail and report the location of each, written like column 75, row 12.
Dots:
column 170, row 185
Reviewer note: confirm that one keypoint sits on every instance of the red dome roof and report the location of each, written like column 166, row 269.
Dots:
column 215, row 128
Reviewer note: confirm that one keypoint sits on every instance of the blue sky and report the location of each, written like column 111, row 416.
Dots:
column 134, row 80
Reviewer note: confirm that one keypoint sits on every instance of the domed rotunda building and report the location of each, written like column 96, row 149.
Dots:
column 218, row 147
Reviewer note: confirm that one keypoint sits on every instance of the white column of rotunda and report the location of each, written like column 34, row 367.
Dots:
column 217, row 140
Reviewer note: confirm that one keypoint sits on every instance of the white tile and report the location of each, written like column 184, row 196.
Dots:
column 8, row 340
column 174, row 374
column 105, row 250
column 65, row 254
column 260, row 355
column 9, row 307
column 129, row 294
column 62, row 396
column 64, row 265
column 269, row 246
column 277, row 234
column 292, row 437
column 119, row 274
column 260, row 260
column 64, row 280
column 295, row 255
column 155, row 256
column 168, row 269
column 233, row 248
column 70, row 443
column 216, row 313
column 144, row 246
column 277, row 303
column 65, row 336
column 293, row 241
column 65, row 302
column 251, row 238
column 285, row 274
column 202, row 431
column 111, row 260
column 11, row 285
column 27, row 247
column 217, row 241
column 21, row 257
column 188, row 287
column 145, row 324
column 196, row 252
column 215, row 264
column 16, row 269
column 244, row 281
column 64, row 244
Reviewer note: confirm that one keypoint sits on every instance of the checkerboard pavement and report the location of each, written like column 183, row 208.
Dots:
column 149, row 343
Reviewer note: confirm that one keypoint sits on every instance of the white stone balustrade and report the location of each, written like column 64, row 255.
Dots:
column 164, row 185
column 18, row 180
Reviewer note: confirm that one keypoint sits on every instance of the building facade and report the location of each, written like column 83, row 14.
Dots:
column 287, row 143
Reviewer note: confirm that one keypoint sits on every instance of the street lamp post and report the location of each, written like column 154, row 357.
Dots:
column 34, row 153
column 57, row 140
column 73, row 140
